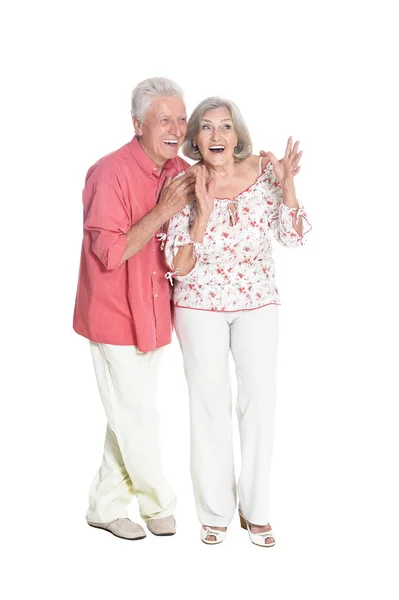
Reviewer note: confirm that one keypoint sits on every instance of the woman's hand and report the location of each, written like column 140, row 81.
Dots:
column 204, row 193
column 286, row 168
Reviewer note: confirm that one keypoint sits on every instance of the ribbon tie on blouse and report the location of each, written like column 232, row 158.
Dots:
column 232, row 212
column 161, row 237
column 169, row 276
column 299, row 212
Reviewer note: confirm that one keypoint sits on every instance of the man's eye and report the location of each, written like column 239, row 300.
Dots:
column 164, row 120
column 183, row 119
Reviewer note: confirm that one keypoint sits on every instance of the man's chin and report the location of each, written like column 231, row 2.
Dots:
column 170, row 152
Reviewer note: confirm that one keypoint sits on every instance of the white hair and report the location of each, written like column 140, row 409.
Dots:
column 145, row 92
column 244, row 144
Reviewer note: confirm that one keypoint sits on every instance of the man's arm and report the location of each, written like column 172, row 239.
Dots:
column 174, row 197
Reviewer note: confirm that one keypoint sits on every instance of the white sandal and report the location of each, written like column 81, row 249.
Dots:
column 257, row 538
column 219, row 535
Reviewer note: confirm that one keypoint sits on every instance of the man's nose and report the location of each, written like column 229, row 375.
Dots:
column 175, row 128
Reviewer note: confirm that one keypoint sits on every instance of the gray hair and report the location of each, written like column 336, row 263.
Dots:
column 145, row 92
column 244, row 145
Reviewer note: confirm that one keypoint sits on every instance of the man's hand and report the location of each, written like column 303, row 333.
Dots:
column 176, row 194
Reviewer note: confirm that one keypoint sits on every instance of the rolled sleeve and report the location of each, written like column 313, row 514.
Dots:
column 107, row 221
column 109, row 248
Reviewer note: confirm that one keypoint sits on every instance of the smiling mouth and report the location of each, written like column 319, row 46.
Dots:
column 217, row 149
column 170, row 142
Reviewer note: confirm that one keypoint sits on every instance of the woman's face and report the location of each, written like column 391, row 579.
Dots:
column 216, row 138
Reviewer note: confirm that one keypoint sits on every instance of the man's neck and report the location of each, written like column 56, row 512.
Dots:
column 159, row 163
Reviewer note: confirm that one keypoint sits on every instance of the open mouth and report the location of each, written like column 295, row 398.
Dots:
column 217, row 149
column 170, row 142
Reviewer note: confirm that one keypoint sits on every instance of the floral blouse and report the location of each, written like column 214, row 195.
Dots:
column 234, row 269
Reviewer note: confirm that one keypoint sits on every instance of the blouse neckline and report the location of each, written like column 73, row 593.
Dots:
column 248, row 188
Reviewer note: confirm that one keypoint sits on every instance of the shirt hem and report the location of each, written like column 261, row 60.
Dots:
column 132, row 342
column 225, row 311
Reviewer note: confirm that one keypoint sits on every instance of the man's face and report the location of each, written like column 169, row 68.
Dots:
column 164, row 128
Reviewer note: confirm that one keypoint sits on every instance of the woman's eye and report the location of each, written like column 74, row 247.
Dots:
column 205, row 127
column 227, row 126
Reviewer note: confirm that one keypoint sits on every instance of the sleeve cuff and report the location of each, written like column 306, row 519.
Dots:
column 289, row 216
column 114, row 255
column 184, row 240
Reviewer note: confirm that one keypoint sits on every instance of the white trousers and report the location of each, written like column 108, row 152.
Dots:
column 205, row 338
column 131, row 466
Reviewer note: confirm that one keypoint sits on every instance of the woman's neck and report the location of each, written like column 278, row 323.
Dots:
column 221, row 172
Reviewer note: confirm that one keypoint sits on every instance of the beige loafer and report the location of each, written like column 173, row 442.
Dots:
column 162, row 526
column 122, row 528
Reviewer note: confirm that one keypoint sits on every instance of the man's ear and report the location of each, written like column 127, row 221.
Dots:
column 138, row 126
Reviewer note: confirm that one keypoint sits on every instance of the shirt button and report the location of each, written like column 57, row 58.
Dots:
column 154, row 272
column 156, row 296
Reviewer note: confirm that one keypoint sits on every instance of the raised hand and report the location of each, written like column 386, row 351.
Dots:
column 286, row 168
column 204, row 193
column 264, row 155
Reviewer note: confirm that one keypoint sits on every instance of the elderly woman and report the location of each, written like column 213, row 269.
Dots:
column 219, row 253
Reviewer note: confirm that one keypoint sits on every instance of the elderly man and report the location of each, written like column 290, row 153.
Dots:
column 123, row 306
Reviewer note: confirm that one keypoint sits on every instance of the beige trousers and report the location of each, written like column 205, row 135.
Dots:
column 131, row 466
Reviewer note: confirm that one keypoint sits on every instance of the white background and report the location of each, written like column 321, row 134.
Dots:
column 322, row 72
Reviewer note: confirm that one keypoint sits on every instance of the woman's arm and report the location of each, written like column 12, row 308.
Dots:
column 285, row 170
column 187, row 244
column 286, row 214
column 289, row 199
column 186, row 258
column 180, row 253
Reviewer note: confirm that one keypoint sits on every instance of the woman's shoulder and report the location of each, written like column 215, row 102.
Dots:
column 253, row 161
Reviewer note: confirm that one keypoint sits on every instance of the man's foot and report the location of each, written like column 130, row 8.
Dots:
column 213, row 539
column 122, row 528
column 162, row 526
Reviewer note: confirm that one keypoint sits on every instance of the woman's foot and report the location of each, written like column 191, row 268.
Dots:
column 268, row 540
column 213, row 538
column 258, row 533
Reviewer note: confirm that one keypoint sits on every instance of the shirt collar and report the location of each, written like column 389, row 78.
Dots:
column 145, row 162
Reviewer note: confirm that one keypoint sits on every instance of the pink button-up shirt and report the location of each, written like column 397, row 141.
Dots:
column 128, row 303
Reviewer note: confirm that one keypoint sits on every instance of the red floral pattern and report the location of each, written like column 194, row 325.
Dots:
column 234, row 269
